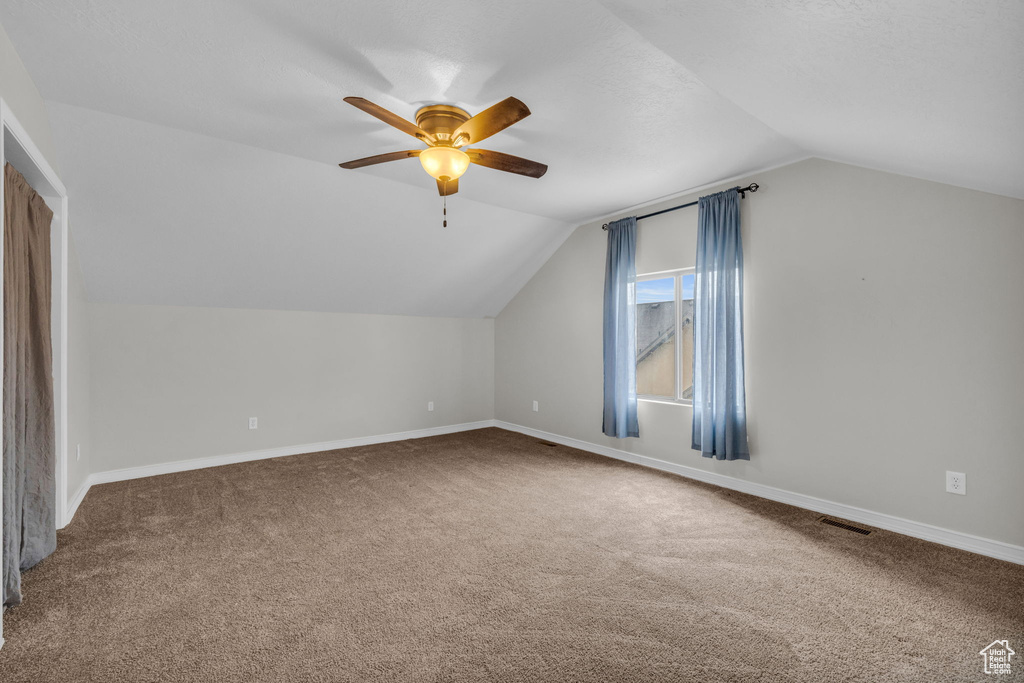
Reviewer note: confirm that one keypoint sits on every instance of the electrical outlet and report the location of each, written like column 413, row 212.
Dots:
column 430, row 406
column 78, row 452
column 536, row 407
column 956, row 482
column 253, row 424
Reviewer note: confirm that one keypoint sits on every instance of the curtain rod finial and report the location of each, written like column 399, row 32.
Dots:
column 752, row 187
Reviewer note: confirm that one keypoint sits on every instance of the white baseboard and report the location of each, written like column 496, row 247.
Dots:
column 232, row 458
column 927, row 532
column 76, row 500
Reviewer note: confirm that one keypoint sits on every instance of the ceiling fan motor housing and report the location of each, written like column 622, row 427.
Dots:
column 441, row 120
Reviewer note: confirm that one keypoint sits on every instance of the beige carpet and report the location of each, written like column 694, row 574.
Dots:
column 488, row 556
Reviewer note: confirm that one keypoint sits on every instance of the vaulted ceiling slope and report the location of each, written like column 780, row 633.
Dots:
column 199, row 140
column 165, row 216
column 927, row 88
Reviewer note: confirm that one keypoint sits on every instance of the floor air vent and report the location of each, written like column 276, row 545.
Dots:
column 844, row 525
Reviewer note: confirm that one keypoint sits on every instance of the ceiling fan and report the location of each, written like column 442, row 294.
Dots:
column 446, row 130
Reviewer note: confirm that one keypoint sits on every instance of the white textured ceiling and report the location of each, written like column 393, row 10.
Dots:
column 927, row 88
column 631, row 100
column 166, row 216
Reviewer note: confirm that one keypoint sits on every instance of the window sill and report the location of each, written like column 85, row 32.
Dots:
column 666, row 401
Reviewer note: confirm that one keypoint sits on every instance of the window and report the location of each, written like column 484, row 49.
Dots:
column 664, row 336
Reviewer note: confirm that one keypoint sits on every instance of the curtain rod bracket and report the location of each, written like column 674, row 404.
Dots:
column 752, row 187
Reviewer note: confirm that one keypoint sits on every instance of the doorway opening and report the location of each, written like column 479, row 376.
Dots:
column 17, row 148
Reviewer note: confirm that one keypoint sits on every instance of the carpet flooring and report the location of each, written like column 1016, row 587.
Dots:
column 489, row 556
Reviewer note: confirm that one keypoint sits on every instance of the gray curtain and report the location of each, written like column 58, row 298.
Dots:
column 620, row 331
column 29, row 454
column 719, row 396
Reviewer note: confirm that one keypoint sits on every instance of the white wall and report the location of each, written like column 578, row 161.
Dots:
column 177, row 383
column 21, row 95
column 884, row 334
column 79, row 376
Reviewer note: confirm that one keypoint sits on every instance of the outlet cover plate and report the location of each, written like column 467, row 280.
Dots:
column 253, row 423
column 956, row 482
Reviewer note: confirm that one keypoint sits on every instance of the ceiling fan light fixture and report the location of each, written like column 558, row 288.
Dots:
column 444, row 163
column 445, row 129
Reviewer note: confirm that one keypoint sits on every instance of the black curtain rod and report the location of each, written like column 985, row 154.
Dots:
column 752, row 187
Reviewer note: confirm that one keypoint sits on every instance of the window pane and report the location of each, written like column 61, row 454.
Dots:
column 688, row 281
column 686, row 381
column 655, row 337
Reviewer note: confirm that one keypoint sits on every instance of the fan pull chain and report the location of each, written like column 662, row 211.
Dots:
column 444, row 199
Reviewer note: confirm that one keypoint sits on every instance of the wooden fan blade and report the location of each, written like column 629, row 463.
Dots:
column 390, row 118
column 447, row 189
column 380, row 158
column 507, row 162
column 492, row 120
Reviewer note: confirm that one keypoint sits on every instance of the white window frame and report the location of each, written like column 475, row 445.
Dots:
column 678, row 274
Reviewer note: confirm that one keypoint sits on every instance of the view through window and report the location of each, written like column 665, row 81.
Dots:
column 664, row 336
